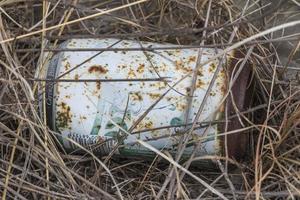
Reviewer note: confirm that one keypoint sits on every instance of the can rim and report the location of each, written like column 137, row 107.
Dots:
column 237, row 143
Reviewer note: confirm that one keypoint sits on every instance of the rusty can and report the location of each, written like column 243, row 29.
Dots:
column 83, row 110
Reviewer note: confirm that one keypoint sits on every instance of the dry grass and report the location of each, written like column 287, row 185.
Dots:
column 31, row 165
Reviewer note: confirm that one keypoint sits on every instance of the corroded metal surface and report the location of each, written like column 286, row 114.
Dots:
column 238, row 143
column 82, row 111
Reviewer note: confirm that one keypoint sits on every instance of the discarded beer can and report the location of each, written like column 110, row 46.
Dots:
column 83, row 108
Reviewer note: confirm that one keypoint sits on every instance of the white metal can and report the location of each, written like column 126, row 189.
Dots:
column 82, row 110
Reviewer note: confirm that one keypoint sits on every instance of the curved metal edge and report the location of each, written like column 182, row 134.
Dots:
column 51, row 87
column 52, row 70
column 237, row 143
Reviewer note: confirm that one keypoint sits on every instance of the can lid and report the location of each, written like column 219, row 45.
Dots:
column 237, row 143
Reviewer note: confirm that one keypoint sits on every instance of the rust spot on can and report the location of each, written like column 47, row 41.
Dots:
column 67, row 66
column 140, row 126
column 131, row 74
column 149, row 124
column 64, row 116
column 222, row 74
column 122, row 66
column 141, row 68
column 137, row 96
column 170, row 53
column 154, row 95
column 200, row 83
column 76, row 77
column 163, row 68
column 192, row 59
column 169, row 98
column 82, row 117
column 180, row 106
column 212, row 67
column 180, row 66
column 200, row 72
column 223, row 89
column 98, row 85
column 98, row 69
column 188, row 89
column 212, row 94
column 160, row 85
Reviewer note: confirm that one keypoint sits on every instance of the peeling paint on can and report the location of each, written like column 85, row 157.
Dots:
column 82, row 110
